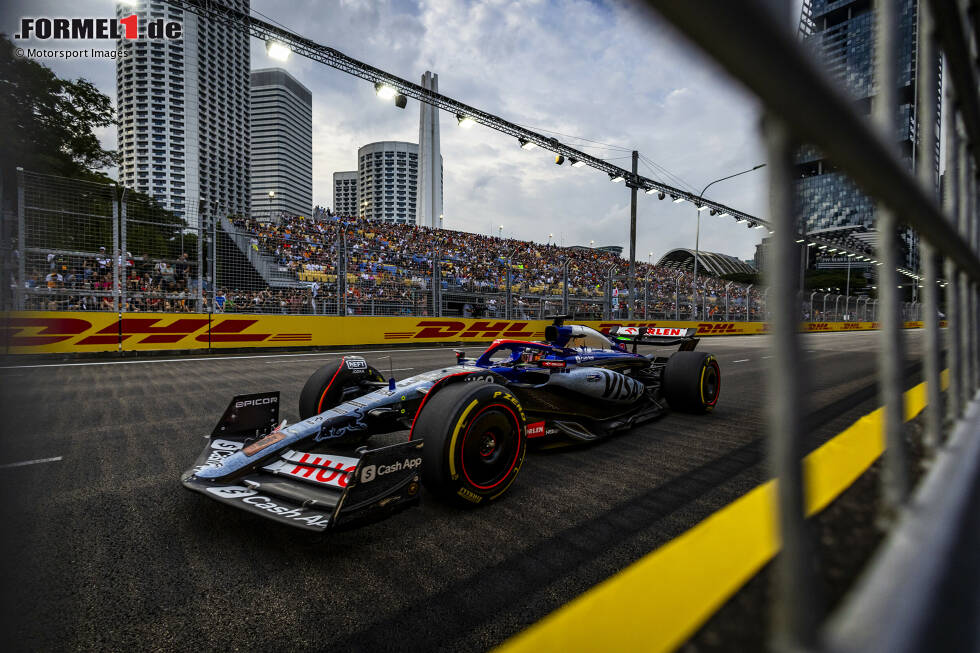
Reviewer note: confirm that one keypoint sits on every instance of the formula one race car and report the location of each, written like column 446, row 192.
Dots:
column 475, row 420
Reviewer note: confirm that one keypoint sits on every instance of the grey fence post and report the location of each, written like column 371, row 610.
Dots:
column 124, row 273
column 21, row 242
column 214, row 262
column 115, row 251
column 797, row 608
column 748, row 303
column 891, row 359
column 812, row 295
column 677, row 297
column 201, row 211
column 509, row 296
column 823, row 311
column 646, row 297
column 342, row 271
column 564, row 287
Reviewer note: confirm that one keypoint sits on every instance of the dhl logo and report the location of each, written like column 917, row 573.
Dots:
column 818, row 326
column 40, row 331
column 715, row 328
column 448, row 329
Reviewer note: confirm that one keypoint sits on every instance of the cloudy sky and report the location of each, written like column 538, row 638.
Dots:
column 604, row 71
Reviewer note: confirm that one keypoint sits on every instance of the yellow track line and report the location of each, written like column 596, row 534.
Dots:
column 658, row 602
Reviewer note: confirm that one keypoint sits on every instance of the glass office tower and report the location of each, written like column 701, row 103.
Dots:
column 840, row 33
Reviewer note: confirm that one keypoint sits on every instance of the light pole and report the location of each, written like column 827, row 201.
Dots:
column 500, row 231
column 697, row 235
column 272, row 196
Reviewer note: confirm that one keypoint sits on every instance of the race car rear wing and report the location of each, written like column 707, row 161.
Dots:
column 658, row 336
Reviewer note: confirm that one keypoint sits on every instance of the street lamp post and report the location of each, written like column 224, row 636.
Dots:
column 697, row 235
column 272, row 195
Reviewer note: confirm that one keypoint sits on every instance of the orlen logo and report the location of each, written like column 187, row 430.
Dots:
column 81, row 29
column 535, row 430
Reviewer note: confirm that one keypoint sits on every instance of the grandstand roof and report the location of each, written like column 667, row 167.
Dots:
column 713, row 263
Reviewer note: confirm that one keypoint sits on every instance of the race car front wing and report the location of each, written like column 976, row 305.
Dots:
column 311, row 490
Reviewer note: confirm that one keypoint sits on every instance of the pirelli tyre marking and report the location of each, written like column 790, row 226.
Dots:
column 452, row 441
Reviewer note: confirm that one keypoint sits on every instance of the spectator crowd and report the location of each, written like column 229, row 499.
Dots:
column 388, row 270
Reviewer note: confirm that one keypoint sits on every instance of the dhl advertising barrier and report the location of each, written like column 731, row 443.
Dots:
column 78, row 332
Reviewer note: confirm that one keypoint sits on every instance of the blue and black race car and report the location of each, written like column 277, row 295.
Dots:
column 469, row 424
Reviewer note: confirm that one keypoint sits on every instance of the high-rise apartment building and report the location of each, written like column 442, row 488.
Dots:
column 345, row 193
column 387, row 181
column 183, row 113
column 841, row 34
column 281, row 144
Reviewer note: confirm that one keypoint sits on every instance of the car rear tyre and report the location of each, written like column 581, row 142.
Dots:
column 475, row 437
column 692, row 382
column 334, row 384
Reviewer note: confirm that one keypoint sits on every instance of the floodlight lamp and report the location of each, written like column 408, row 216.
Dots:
column 661, row 195
column 702, row 208
column 464, row 121
column 650, row 191
column 725, row 214
column 799, row 240
column 741, row 220
column 616, row 177
column 276, row 50
column 760, row 226
column 822, row 247
column 384, row 91
column 677, row 200
column 712, row 212
column 526, row 144
column 559, row 159
column 576, row 163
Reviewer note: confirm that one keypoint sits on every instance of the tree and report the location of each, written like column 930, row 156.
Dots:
column 47, row 123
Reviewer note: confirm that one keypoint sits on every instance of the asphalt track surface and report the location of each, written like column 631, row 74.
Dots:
column 103, row 550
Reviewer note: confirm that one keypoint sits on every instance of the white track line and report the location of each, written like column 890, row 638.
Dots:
column 31, row 462
column 744, row 360
column 222, row 358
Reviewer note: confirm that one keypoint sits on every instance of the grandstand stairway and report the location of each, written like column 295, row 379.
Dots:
column 264, row 265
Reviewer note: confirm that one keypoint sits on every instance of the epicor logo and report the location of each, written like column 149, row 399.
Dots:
column 78, row 29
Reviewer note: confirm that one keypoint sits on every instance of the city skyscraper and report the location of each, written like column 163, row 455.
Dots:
column 345, row 193
column 386, row 184
column 281, row 144
column 183, row 113
column 841, row 35
column 430, row 159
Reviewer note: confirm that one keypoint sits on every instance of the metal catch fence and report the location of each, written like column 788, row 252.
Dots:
column 96, row 247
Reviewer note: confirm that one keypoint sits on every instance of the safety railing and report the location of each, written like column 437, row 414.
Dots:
column 905, row 596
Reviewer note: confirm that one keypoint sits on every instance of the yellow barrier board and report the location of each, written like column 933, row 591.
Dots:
column 78, row 332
